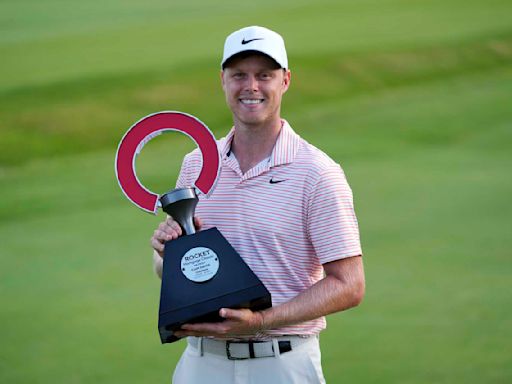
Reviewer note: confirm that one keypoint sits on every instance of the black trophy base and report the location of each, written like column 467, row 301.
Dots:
column 232, row 285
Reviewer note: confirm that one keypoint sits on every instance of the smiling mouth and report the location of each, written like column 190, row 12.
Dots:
column 251, row 101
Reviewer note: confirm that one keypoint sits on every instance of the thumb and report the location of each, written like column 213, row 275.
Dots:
column 232, row 314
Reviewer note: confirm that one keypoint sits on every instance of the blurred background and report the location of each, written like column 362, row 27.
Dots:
column 412, row 98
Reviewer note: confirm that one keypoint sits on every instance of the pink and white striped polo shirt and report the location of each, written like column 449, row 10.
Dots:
column 285, row 217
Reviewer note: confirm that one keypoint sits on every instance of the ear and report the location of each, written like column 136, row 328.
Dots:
column 222, row 80
column 286, row 80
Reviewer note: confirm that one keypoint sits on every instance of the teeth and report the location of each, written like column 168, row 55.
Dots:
column 251, row 101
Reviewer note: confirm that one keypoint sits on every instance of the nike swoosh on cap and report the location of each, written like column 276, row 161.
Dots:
column 250, row 40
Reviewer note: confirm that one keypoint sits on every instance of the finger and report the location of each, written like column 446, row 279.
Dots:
column 232, row 314
column 173, row 224
column 158, row 235
column 163, row 226
column 171, row 229
column 181, row 334
column 198, row 327
column 198, row 223
column 206, row 328
column 157, row 246
column 172, row 235
column 166, row 235
column 174, row 230
column 170, row 226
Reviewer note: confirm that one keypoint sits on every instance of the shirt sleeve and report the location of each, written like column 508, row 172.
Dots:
column 190, row 169
column 183, row 176
column 332, row 223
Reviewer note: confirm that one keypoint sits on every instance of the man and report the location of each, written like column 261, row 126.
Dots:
column 287, row 209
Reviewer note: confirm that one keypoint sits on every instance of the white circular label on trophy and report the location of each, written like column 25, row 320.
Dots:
column 199, row 264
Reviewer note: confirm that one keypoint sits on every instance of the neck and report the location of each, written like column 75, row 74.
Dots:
column 252, row 144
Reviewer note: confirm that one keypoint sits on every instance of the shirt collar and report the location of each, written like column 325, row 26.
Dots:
column 225, row 144
column 285, row 148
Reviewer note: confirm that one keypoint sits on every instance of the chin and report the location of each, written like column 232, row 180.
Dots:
column 251, row 120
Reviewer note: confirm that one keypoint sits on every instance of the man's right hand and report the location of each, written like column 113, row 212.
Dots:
column 168, row 230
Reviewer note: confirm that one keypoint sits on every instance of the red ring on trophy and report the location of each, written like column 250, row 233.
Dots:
column 146, row 129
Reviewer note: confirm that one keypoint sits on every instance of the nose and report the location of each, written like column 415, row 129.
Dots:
column 251, row 83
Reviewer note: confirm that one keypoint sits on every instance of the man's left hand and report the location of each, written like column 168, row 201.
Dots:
column 237, row 322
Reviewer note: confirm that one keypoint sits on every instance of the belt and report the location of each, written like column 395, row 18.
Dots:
column 247, row 349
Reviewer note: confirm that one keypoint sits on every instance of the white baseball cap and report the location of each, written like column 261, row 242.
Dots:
column 258, row 39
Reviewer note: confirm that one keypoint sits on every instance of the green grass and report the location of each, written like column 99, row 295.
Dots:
column 88, row 114
column 412, row 98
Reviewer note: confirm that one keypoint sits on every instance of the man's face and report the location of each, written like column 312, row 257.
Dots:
column 254, row 87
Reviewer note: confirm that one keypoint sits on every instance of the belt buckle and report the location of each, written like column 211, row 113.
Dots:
column 228, row 352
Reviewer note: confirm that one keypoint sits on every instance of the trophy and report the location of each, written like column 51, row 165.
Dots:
column 202, row 272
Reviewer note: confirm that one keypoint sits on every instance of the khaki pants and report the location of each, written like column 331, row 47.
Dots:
column 204, row 363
